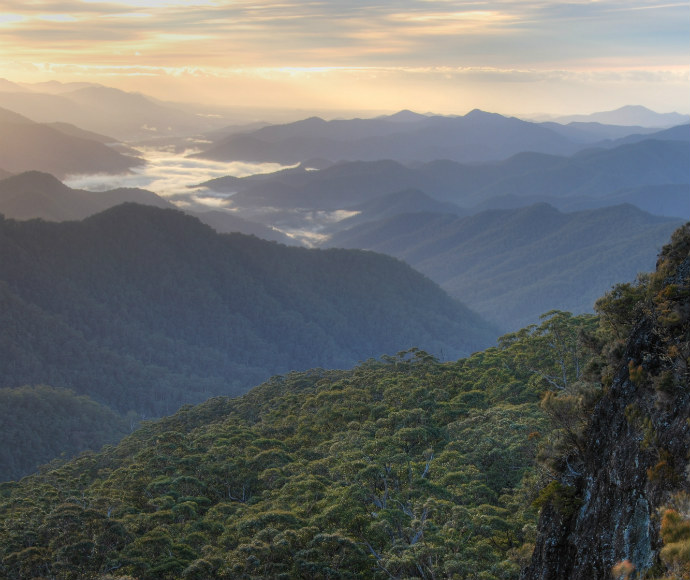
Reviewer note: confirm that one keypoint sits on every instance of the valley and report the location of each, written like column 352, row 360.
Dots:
column 359, row 347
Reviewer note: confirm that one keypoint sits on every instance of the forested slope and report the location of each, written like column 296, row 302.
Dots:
column 40, row 423
column 399, row 468
column 146, row 309
column 512, row 265
column 402, row 467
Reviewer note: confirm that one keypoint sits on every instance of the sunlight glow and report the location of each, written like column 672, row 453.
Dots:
column 57, row 18
column 331, row 54
column 155, row 3
column 9, row 19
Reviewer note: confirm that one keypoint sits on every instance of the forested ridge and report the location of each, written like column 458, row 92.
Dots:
column 513, row 265
column 146, row 309
column 401, row 467
column 39, row 423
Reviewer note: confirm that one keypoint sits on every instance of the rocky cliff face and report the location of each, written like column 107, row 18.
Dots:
column 635, row 457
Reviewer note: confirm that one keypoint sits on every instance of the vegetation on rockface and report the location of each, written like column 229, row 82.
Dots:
column 628, row 461
column 400, row 468
column 675, row 534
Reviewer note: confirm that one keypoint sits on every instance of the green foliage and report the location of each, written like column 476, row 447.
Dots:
column 404, row 467
column 41, row 423
column 675, row 535
column 620, row 308
column 554, row 353
column 562, row 497
column 146, row 309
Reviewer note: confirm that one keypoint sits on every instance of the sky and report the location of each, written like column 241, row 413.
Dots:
column 443, row 56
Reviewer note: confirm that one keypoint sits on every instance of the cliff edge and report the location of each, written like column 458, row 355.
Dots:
column 632, row 464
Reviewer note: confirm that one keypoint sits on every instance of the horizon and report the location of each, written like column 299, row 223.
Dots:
column 513, row 58
column 248, row 115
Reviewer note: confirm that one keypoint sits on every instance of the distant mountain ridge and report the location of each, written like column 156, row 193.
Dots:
column 26, row 145
column 477, row 136
column 513, row 265
column 588, row 179
column 630, row 115
column 126, row 116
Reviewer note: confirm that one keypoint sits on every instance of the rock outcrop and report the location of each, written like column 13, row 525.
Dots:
column 637, row 443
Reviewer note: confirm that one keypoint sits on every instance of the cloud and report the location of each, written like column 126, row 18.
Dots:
column 267, row 47
column 254, row 33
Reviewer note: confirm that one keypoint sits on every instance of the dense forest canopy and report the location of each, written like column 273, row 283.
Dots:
column 40, row 423
column 146, row 309
column 401, row 467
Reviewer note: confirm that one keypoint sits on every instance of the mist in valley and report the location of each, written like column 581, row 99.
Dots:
column 335, row 291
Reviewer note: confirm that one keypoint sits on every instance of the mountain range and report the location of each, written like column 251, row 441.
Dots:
column 477, row 136
column 658, row 163
column 124, row 115
column 481, row 258
column 409, row 137
column 56, row 148
column 513, row 265
column 560, row 452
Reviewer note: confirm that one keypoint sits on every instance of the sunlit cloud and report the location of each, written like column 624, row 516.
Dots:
column 57, row 18
column 263, row 33
column 153, row 3
column 10, row 19
column 253, row 42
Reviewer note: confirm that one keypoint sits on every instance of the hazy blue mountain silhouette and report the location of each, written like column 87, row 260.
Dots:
column 590, row 178
column 26, row 145
column 513, row 265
